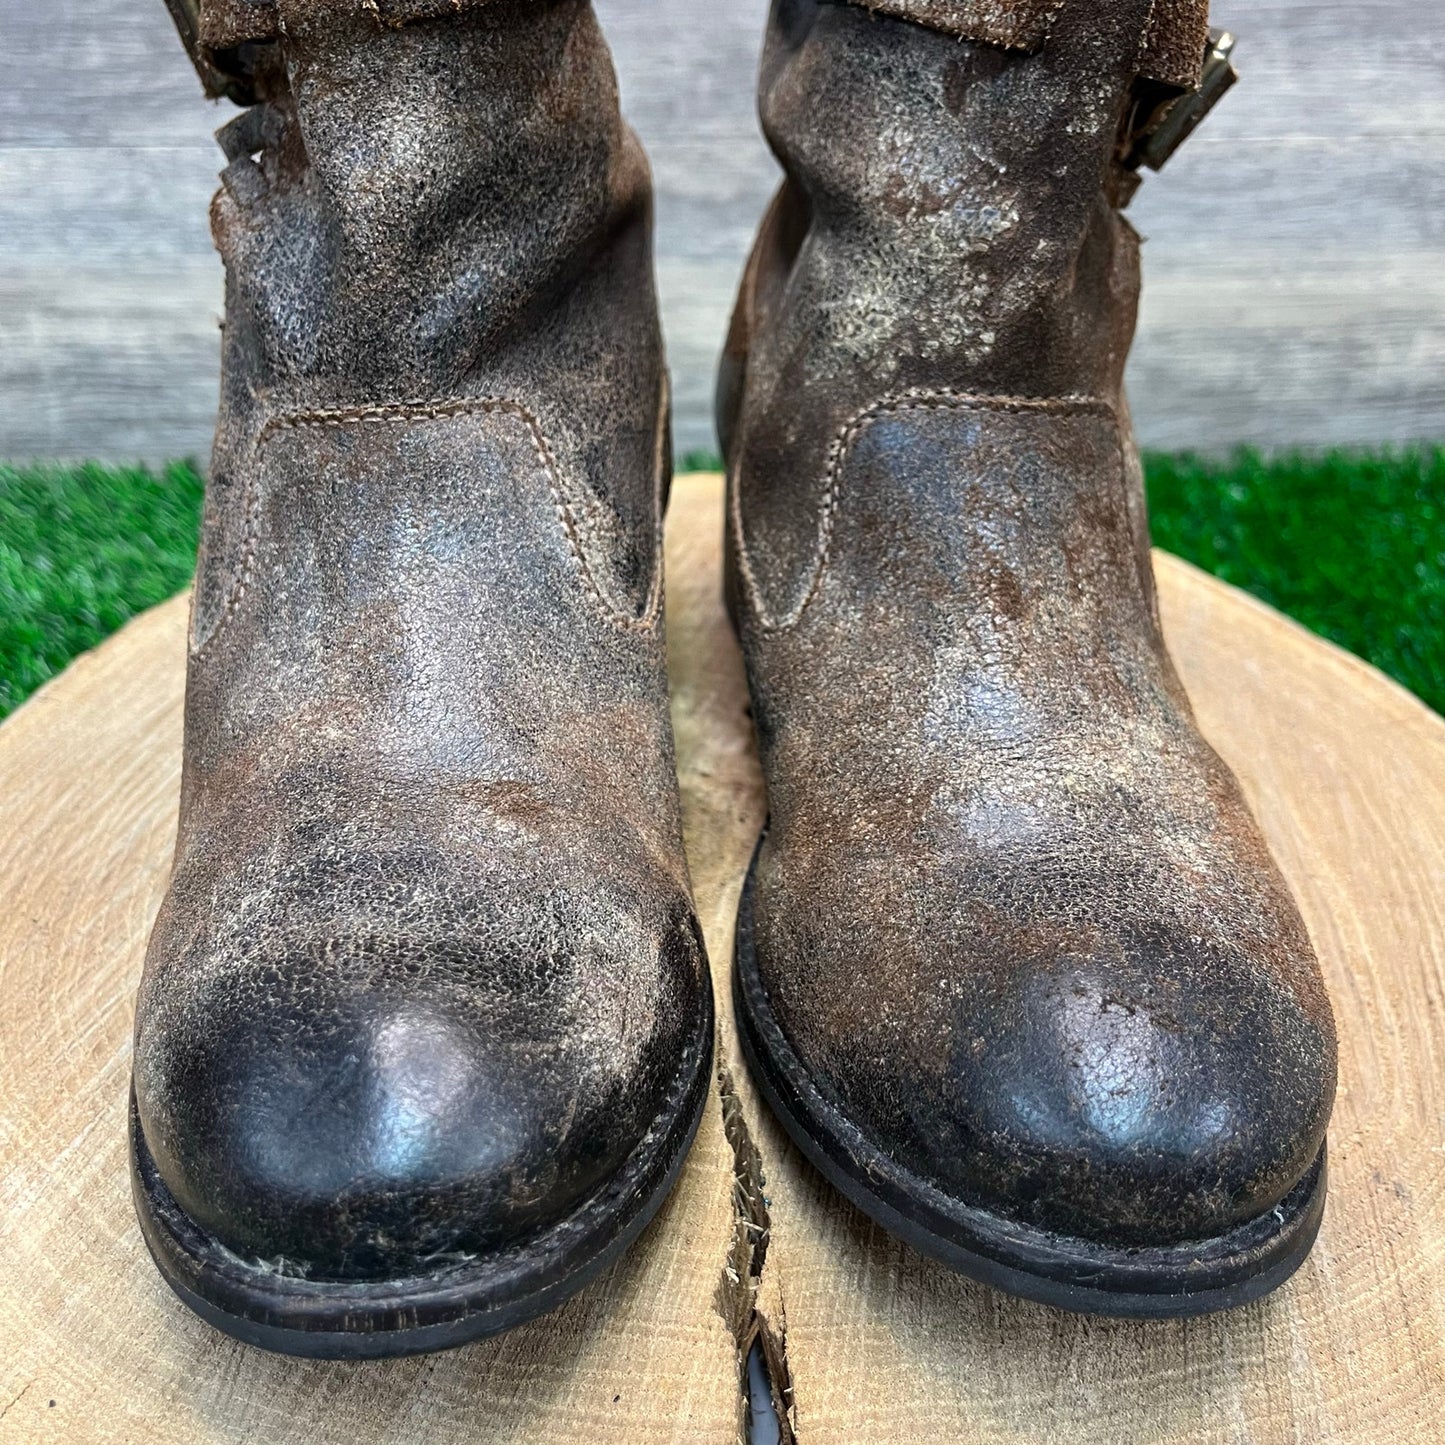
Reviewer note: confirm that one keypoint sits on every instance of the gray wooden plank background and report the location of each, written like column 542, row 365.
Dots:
column 1296, row 257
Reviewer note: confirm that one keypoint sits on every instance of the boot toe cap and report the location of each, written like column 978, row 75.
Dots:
column 381, row 1121
column 1146, row 1090
column 1132, row 1103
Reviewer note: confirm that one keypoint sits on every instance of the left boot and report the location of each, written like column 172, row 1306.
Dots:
column 1014, row 964
column 425, row 1028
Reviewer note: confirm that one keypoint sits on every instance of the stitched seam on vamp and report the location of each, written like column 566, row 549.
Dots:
column 245, row 567
column 403, row 413
column 842, row 446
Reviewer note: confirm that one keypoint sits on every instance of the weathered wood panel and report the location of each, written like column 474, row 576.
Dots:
column 1296, row 258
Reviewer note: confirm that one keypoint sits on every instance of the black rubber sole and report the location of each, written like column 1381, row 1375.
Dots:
column 1195, row 1278
column 374, row 1320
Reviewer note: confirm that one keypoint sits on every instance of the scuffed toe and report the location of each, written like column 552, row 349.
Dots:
column 345, row 1113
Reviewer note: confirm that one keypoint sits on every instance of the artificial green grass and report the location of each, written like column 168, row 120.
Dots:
column 82, row 550
column 1350, row 544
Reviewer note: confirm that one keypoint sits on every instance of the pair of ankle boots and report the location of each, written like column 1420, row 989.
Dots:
column 426, row 1023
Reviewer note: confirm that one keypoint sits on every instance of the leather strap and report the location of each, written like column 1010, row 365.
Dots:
column 1171, row 44
column 1174, row 42
column 226, row 38
column 1013, row 24
column 226, row 23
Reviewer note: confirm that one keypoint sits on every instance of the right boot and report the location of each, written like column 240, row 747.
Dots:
column 425, row 1027
column 1014, row 965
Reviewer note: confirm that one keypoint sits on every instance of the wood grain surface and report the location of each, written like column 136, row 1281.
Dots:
column 872, row 1342
column 1296, row 257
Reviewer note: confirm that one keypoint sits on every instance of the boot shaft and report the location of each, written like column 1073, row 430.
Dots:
column 441, row 325
column 1170, row 37
column 949, row 227
column 409, row 197
column 961, row 171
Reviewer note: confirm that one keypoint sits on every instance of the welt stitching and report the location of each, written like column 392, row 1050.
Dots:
column 848, row 436
column 405, row 413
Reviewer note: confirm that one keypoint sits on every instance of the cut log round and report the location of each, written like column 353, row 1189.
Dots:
column 1347, row 773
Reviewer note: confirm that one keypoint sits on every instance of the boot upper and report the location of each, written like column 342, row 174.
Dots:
column 1011, row 911
column 428, row 971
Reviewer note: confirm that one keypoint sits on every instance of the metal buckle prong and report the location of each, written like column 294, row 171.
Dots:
column 1156, row 136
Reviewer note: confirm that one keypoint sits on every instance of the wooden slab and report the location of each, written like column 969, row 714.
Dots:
column 1348, row 773
column 93, row 1346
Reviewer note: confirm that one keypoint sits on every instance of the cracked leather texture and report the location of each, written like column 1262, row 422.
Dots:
column 1011, row 912
column 428, row 971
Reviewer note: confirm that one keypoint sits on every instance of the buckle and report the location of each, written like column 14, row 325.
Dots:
column 1157, row 128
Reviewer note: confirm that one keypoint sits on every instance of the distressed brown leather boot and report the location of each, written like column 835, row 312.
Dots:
column 1014, row 964
column 425, row 1027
